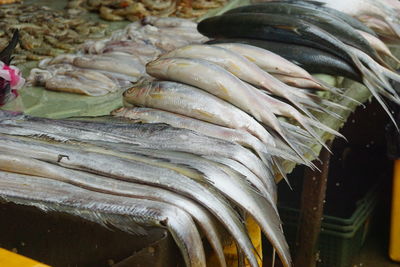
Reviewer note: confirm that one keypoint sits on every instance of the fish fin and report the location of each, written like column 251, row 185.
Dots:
column 5, row 54
column 123, row 223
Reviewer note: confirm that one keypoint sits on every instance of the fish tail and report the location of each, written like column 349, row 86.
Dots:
column 394, row 26
column 392, row 57
column 186, row 239
column 288, row 155
column 325, row 128
column 311, row 102
column 305, row 124
column 371, row 88
column 285, row 138
column 280, row 170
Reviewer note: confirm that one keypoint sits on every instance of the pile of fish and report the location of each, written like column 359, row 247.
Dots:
column 131, row 176
column 209, row 127
column 112, row 64
column 45, row 32
column 220, row 92
column 319, row 39
column 134, row 10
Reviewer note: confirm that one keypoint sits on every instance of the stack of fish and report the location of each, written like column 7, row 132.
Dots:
column 133, row 10
column 318, row 38
column 114, row 63
column 132, row 176
column 217, row 91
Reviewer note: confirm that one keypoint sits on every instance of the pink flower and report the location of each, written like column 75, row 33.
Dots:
column 13, row 75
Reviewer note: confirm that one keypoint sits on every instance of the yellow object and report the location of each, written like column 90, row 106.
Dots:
column 10, row 259
column 230, row 251
column 394, row 247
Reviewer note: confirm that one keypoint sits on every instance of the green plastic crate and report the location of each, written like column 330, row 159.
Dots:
column 340, row 238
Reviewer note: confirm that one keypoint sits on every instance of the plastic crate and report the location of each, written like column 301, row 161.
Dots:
column 340, row 238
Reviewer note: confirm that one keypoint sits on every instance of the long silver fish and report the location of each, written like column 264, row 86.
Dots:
column 124, row 213
column 151, row 115
column 274, row 63
column 160, row 137
column 248, row 71
column 190, row 101
column 263, row 210
column 134, row 171
column 216, row 80
column 29, row 166
column 245, row 70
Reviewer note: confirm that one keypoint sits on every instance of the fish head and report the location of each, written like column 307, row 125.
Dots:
column 159, row 66
column 140, row 87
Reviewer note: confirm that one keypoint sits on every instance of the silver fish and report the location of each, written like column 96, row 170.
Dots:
column 124, row 213
column 216, row 80
column 190, row 101
column 29, row 166
column 134, row 171
column 273, row 63
column 151, row 115
column 158, row 137
column 242, row 68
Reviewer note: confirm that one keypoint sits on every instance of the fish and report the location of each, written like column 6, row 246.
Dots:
column 134, row 171
column 355, row 23
column 188, row 100
column 244, row 70
column 270, row 62
column 278, row 66
column 379, row 46
column 288, row 29
column 151, row 115
column 97, row 183
column 251, row 73
column 319, row 18
column 159, row 137
column 219, row 82
column 127, row 214
column 113, row 63
column 261, row 209
column 376, row 9
column 311, row 59
column 88, row 82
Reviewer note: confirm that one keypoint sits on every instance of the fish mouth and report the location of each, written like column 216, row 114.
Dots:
column 117, row 111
